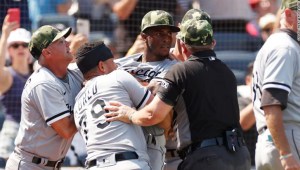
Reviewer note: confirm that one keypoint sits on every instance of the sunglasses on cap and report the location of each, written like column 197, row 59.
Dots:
column 16, row 45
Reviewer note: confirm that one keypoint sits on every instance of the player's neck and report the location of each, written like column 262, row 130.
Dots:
column 149, row 57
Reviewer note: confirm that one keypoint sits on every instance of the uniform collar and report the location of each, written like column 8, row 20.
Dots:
column 205, row 54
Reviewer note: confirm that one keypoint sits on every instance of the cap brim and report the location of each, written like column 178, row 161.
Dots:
column 173, row 28
column 65, row 33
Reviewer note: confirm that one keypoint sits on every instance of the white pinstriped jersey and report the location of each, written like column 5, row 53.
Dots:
column 45, row 100
column 146, row 72
column 103, row 138
column 277, row 65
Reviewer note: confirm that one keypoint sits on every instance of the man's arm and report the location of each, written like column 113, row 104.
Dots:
column 65, row 127
column 273, row 115
column 152, row 114
column 5, row 76
column 247, row 118
column 123, row 8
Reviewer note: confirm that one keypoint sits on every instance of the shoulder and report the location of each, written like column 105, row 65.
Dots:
column 128, row 59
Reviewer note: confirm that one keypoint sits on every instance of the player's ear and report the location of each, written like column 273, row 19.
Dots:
column 101, row 66
column 144, row 36
column 46, row 52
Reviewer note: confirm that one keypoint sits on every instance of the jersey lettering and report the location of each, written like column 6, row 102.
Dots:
column 255, row 88
column 87, row 97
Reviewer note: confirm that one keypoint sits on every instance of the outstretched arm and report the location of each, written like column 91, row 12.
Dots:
column 152, row 114
column 123, row 8
column 5, row 77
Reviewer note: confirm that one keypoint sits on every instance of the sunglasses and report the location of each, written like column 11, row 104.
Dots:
column 16, row 45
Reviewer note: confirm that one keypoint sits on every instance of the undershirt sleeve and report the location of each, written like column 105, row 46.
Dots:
column 272, row 96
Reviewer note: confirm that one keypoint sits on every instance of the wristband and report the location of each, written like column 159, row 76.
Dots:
column 285, row 156
column 130, row 117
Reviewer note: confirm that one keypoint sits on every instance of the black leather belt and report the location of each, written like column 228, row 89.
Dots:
column 55, row 164
column 218, row 141
column 207, row 142
column 262, row 130
column 122, row 156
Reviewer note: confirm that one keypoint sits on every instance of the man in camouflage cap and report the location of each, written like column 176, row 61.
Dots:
column 158, row 18
column 149, row 67
column 291, row 4
column 47, row 126
column 43, row 37
column 276, row 91
column 202, row 92
column 196, row 14
column 197, row 43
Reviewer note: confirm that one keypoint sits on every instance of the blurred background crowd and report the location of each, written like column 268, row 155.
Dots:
column 240, row 29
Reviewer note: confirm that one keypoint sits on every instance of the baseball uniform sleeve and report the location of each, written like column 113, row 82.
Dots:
column 280, row 69
column 50, row 103
column 138, row 94
column 170, row 87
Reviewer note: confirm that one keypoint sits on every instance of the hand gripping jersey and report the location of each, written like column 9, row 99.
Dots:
column 103, row 138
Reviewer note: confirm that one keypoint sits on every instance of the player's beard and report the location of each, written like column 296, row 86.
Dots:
column 154, row 52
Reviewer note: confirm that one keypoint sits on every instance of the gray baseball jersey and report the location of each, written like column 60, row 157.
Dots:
column 103, row 138
column 45, row 100
column 146, row 72
column 277, row 66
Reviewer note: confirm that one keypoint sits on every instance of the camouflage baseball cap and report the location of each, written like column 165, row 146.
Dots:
column 196, row 14
column 43, row 37
column 158, row 18
column 291, row 4
column 196, row 32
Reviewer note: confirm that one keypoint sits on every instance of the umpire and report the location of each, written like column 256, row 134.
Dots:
column 203, row 92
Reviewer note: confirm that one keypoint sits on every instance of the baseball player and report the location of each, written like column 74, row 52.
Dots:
column 151, row 65
column 209, row 134
column 115, row 145
column 276, row 92
column 47, row 125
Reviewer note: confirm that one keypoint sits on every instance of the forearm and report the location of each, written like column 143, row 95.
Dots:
column 65, row 127
column 124, row 8
column 143, row 118
column 3, row 46
column 275, row 125
column 247, row 118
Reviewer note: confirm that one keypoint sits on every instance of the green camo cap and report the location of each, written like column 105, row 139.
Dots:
column 291, row 4
column 196, row 32
column 43, row 37
column 196, row 14
column 158, row 18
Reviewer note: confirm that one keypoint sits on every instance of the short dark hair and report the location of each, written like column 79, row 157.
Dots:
column 89, row 55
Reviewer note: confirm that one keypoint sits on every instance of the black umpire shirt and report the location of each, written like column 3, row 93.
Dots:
column 203, row 92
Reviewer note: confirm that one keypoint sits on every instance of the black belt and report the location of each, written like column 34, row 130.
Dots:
column 207, row 142
column 118, row 156
column 218, row 141
column 54, row 164
column 262, row 130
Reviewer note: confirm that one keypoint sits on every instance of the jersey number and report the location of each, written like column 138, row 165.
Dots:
column 97, row 111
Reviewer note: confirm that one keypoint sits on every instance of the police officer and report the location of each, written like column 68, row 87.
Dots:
column 202, row 90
